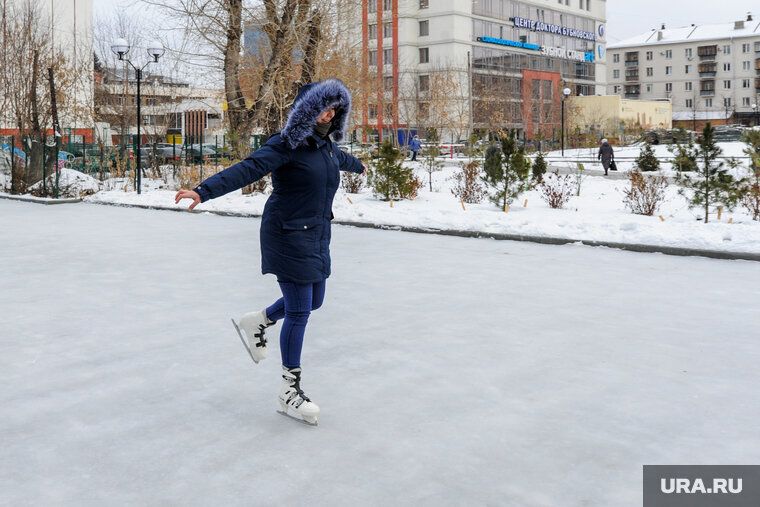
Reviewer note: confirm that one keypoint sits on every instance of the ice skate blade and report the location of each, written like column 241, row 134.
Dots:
column 297, row 419
column 243, row 340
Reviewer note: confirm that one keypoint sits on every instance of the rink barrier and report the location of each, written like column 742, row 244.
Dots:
column 546, row 240
column 39, row 200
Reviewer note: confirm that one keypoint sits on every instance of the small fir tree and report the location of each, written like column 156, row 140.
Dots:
column 750, row 191
column 684, row 156
column 506, row 170
column 646, row 161
column 431, row 163
column 539, row 168
column 713, row 185
column 389, row 178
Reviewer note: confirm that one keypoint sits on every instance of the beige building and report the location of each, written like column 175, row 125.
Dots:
column 608, row 114
column 705, row 70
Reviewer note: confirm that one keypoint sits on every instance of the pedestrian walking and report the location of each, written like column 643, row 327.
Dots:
column 295, row 225
column 607, row 156
column 415, row 146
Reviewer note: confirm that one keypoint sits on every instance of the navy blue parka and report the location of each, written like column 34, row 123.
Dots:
column 295, row 225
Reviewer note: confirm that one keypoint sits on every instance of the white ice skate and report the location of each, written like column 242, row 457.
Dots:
column 253, row 325
column 292, row 397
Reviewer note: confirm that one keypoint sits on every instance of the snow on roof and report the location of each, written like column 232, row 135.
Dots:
column 692, row 33
column 700, row 115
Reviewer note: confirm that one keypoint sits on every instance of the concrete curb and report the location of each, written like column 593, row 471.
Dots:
column 39, row 200
column 547, row 240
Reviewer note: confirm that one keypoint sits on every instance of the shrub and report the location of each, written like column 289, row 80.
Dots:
column 389, row 178
column 751, row 199
column 468, row 186
column 646, row 161
column 431, row 162
column 646, row 193
column 351, row 182
column 557, row 189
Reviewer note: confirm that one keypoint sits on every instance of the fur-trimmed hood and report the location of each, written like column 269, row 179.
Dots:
column 311, row 100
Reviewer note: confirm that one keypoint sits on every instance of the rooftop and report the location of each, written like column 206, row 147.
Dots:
column 692, row 33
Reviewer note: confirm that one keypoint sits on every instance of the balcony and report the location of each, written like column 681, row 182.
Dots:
column 631, row 95
column 632, row 63
column 633, row 77
column 707, row 93
column 757, row 84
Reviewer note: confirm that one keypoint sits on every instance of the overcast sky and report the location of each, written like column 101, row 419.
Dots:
column 625, row 18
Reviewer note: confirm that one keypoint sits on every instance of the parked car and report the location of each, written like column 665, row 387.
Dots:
column 195, row 155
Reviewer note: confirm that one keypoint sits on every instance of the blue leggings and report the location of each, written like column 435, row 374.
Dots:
column 295, row 305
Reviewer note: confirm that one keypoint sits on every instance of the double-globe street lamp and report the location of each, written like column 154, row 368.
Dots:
column 565, row 93
column 155, row 50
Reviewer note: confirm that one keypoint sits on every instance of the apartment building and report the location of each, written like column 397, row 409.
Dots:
column 710, row 72
column 459, row 65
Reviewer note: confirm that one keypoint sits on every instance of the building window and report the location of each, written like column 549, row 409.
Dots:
column 708, row 102
column 689, row 103
column 650, row 55
column 424, row 28
column 726, row 84
column 372, row 32
column 727, row 67
column 687, row 52
column 726, row 49
column 588, row 5
column 668, row 53
column 387, row 30
column 668, row 70
column 372, row 111
column 387, row 5
column 616, row 88
column 388, row 82
column 372, row 6
column 423, row 4
column 650, row 71
column 424, row 55
column 616, row 58
column 727, row 102
column 668, row 87
column 745, row 65
column 424, row 83
column 745, row 48
column 687, row 86
column 687, row 69
column 387, row 56
column 151, row 101
column 372, row 56
column 649, row 88
column 616, row 74
column 745, row 83
column 745, row 101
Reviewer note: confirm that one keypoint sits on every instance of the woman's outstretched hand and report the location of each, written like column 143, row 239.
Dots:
column 188, row 194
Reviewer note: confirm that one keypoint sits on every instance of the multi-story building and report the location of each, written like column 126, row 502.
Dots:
column 710, row 72
column 457, row 65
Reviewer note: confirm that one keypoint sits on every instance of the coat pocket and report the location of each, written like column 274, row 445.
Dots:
column 301, row 224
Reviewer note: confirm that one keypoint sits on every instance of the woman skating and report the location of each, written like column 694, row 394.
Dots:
column 295, row 225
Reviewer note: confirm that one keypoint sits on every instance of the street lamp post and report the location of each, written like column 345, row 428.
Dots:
column 155, row 50
column 565, row 93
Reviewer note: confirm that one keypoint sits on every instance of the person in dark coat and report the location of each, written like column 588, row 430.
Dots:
column 295, row 225
column 607, row 156
column 415, row 146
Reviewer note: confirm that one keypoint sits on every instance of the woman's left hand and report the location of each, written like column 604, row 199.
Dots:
column 365, row 170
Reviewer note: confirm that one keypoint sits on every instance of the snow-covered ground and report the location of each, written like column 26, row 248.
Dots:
column 449, row 371
column 597, row 214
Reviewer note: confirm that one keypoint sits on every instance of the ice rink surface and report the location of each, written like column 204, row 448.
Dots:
column 449, row 371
